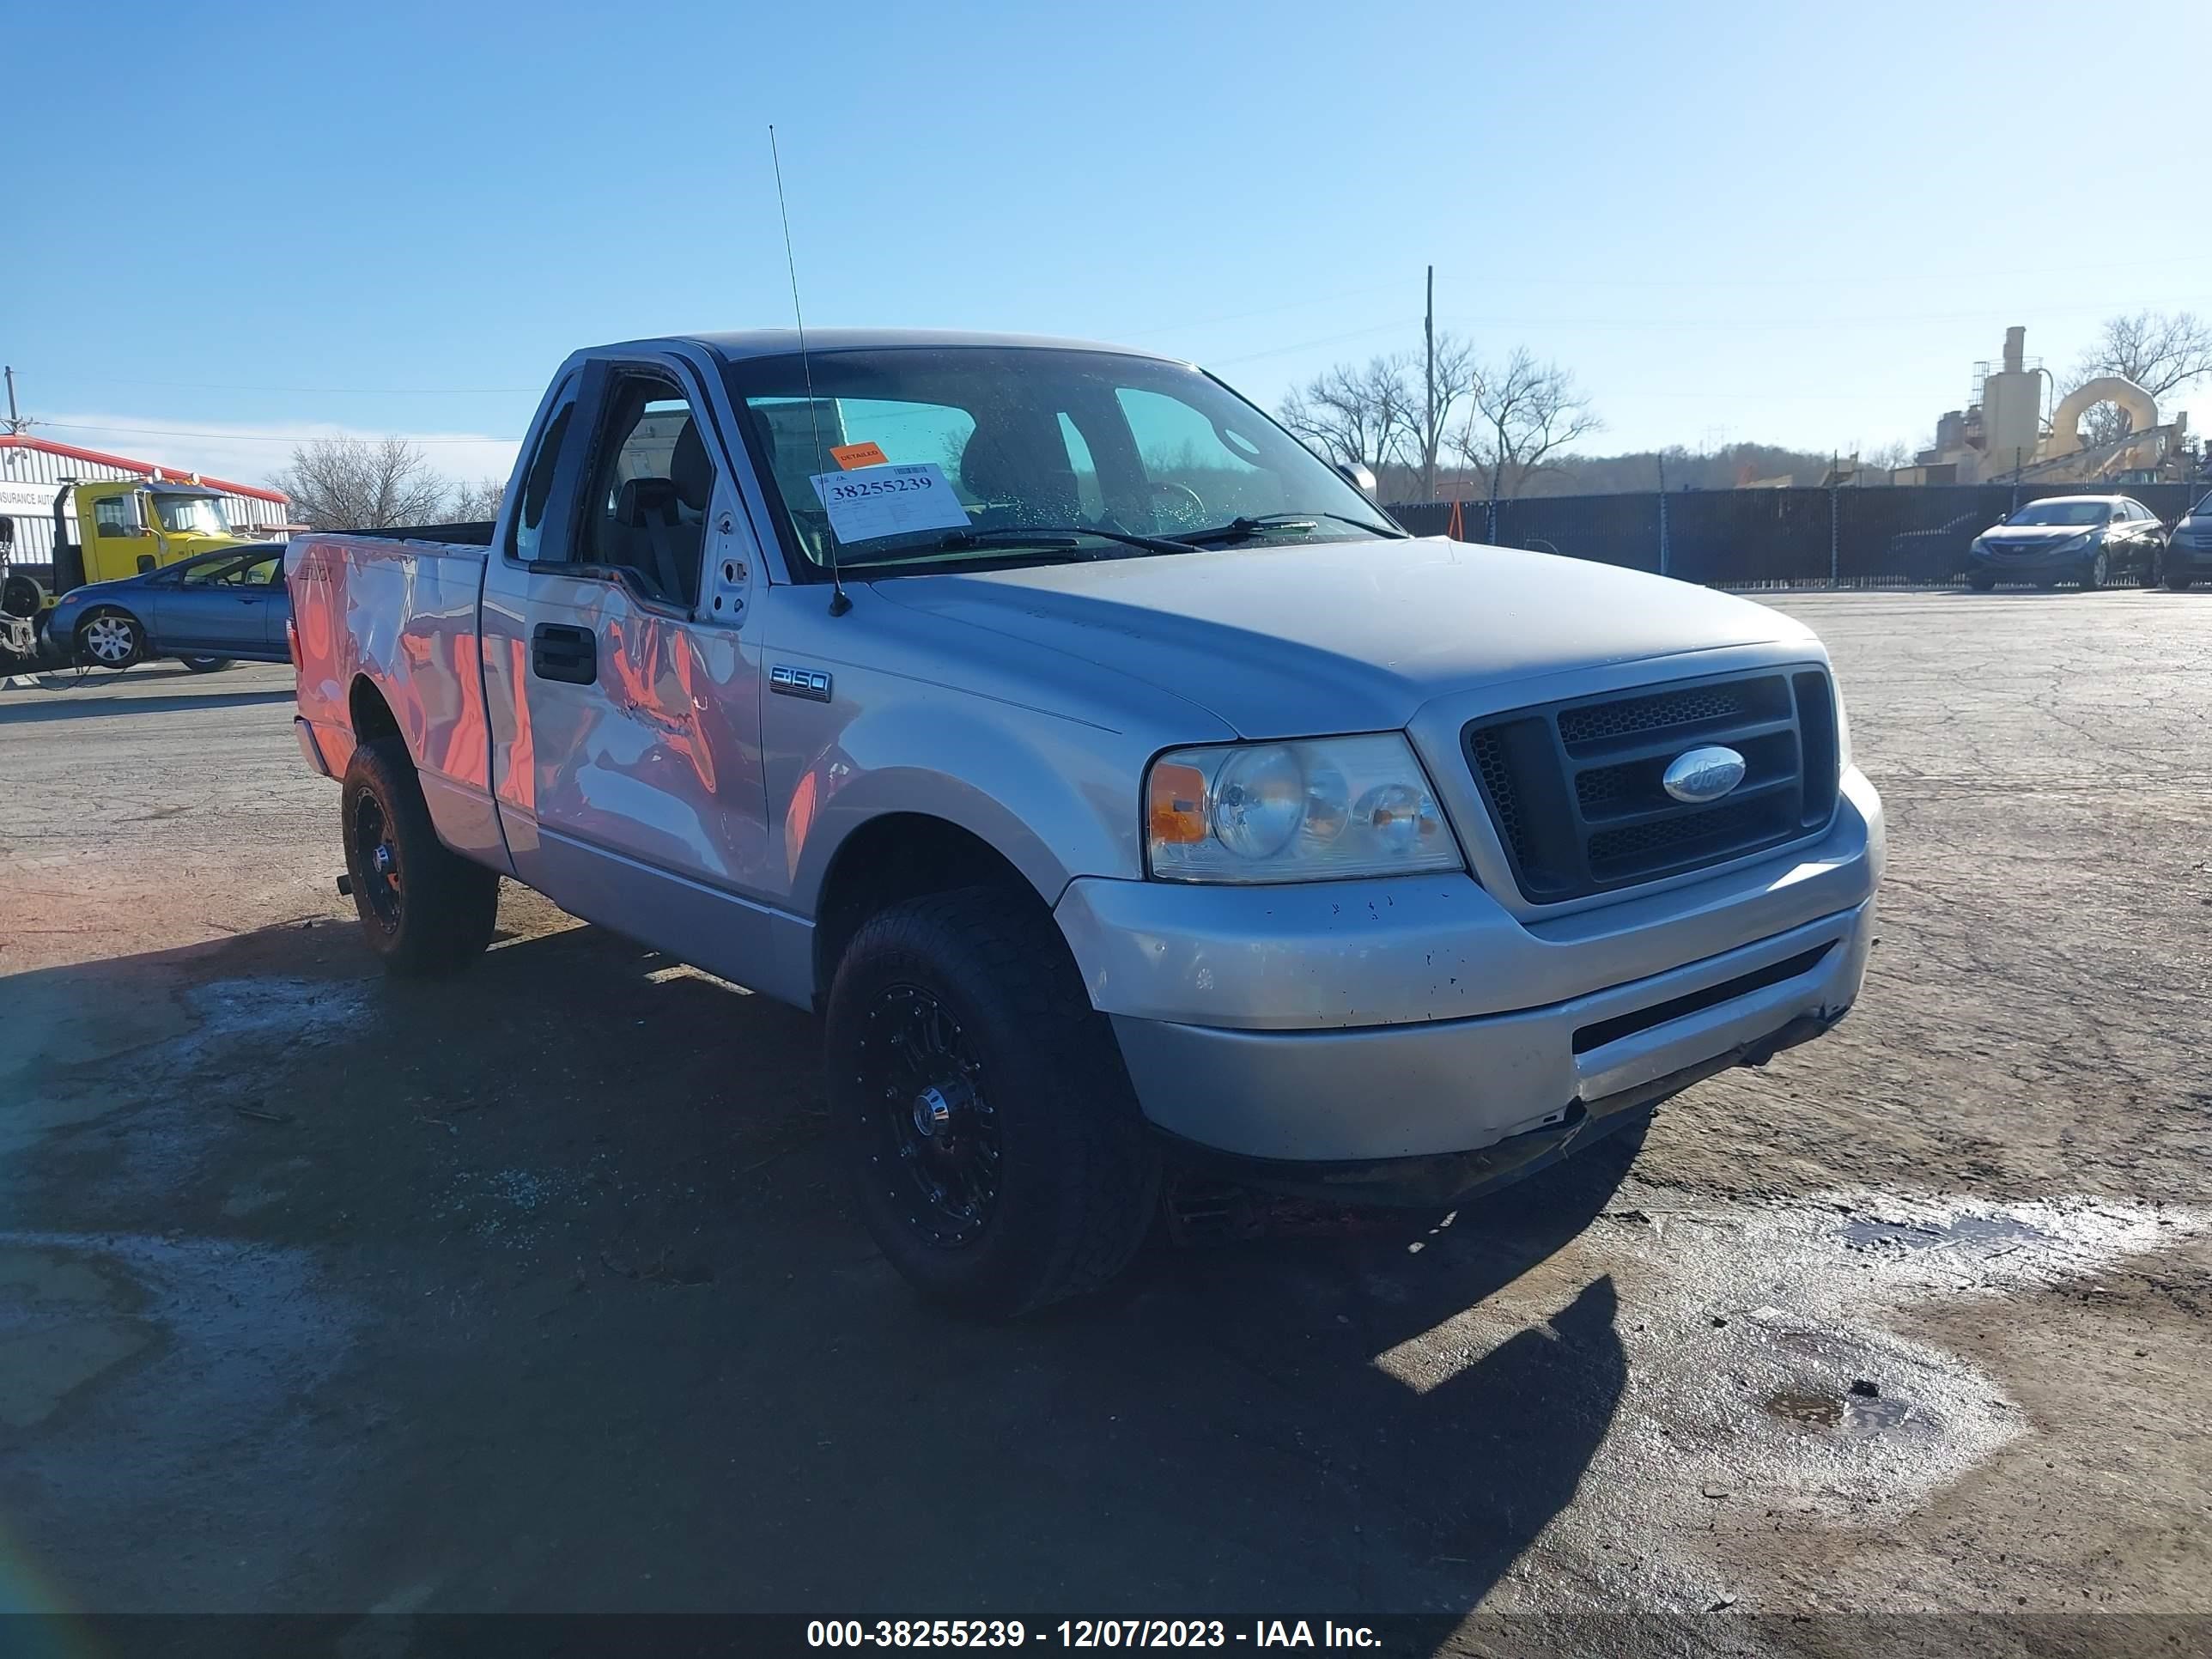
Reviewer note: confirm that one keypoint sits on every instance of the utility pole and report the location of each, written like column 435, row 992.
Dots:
column 17, row 423
column 1429, row 428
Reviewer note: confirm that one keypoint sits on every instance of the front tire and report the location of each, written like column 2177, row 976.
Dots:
column 1981, row 581
column 996, row 1149
column 205, row 664
column 111, row 639
column 425, row 910
column 2176, row 582
column 2097, row 572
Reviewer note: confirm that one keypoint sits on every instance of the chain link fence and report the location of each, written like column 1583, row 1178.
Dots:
column 1911, row 535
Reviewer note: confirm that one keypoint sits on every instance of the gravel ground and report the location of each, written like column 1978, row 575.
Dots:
column 538, row 1291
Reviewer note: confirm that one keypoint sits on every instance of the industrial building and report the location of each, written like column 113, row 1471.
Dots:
column 33, row 469
column 2002, row 436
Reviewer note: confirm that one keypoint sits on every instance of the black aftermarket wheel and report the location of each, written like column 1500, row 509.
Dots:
column 996, row 1152
column 424, row 909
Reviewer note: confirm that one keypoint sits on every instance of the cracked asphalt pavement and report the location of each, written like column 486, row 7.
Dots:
column 538, row 1291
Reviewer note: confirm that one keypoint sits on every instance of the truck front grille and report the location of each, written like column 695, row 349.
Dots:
column 1574, row 788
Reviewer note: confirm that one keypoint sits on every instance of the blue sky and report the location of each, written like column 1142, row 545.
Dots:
column 1771, row 221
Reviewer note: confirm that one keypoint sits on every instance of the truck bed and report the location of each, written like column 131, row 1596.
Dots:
column 392, row 614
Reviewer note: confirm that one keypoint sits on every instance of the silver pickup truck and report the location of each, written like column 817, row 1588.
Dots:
column 1124, row 790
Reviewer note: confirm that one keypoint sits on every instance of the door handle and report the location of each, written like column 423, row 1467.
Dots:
column 558, row 652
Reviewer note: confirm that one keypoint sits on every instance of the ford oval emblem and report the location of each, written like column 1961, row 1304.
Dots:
column 1702, row 775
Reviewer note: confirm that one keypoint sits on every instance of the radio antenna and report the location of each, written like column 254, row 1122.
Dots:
column 839, row 604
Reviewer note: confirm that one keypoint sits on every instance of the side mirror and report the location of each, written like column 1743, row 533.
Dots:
column 1358, row 475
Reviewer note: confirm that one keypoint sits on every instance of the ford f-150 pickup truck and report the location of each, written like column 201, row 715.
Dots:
column 1123, row 787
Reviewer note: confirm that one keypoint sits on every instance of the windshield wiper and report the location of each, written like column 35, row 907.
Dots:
column 1042, row 538
column 1241, row 529
column 1051, row 535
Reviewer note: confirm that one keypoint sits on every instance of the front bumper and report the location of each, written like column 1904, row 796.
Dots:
column 2192, row 560
column 1452, row 1087
column 2027, row 567
column 1418, row 1017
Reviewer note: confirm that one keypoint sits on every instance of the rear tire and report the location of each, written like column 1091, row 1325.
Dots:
column 425, row 910
column 205, row 664
column 997, row 1152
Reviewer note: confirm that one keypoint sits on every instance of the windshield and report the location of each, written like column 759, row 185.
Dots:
column 910, row 448
column 192, row 515
column 2061, row 512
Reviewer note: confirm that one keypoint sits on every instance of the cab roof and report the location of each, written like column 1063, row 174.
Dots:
column 745, row 343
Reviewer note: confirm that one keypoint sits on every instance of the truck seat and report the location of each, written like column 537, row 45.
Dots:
column 662, row 522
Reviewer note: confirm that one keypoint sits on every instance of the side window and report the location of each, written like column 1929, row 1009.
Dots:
column 1198, row 475
column 537, row 487
column 213, row 572
column 651, row 481
column 115, row 515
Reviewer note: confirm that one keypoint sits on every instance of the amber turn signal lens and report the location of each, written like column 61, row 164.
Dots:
column 1176, row 810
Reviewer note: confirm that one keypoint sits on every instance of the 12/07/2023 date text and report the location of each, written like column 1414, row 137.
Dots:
column 1084, row 1633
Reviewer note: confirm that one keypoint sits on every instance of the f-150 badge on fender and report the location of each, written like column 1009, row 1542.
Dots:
column 814, row 685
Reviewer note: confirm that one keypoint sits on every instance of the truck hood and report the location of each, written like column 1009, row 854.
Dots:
column 1342, row 636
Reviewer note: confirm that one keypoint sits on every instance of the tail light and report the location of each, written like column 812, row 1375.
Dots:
column 292, row 643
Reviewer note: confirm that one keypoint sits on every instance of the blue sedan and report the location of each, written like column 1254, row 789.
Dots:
column 207, row 612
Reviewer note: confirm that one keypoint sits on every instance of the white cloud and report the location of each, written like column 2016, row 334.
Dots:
column 249, row 454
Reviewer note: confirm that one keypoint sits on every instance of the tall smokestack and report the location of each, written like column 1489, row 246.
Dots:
column 2015, row 349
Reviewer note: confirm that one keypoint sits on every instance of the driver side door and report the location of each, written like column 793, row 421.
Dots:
column 623, row 675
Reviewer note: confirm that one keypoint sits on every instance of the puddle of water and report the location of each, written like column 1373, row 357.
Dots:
column 1823, row 1411
column 1745, row 1329
column 1966, row 1229
column 1849, row 1415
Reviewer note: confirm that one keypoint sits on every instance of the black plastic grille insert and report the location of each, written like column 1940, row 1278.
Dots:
column 1575, row 788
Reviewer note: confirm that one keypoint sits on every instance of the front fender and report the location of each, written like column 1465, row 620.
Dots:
column 1055, row 796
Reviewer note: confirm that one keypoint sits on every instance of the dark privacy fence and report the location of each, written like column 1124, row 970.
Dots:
column 1852, row 537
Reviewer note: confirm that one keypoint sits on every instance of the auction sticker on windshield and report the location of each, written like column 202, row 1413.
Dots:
column 871, row 502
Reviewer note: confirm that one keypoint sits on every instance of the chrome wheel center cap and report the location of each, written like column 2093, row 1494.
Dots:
column 933, row 1112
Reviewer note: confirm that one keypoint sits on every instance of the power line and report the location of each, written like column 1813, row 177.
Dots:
column 245, row 437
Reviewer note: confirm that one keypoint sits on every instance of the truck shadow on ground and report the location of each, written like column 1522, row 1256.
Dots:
column 72, row 705
column 602, row 1333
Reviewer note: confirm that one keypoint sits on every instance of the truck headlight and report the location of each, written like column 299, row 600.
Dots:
column 1324, row 809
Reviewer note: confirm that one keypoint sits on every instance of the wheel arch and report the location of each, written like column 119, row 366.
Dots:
column 897, row 856
column 369, row 714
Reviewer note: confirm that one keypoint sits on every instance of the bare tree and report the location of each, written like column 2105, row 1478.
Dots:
column 1456, row 377
column 474, row 502
column 1355, row 416
column 2159, row 351
column 354, row 483
column 1518, row 417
